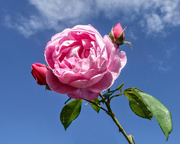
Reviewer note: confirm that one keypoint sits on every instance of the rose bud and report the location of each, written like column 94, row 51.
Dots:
column 39, row 73
column 117, row 34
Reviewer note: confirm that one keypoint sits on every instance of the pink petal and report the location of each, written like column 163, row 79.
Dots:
column 89, row 28
column 69, row 76
column 83, row 93
column 103, row 84
column 115, row 67
column 56, row 85
column 123, row 58
column 118, row 61
column 83, row 83
column 49, row 50
column 110, row 47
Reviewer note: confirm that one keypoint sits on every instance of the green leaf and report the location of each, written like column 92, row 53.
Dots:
column 137, row 104
column 96, row 108
column 160, row 112
column 141, row 103
column 70, row 112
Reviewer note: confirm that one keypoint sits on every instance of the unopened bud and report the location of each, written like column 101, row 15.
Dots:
column 117, row 34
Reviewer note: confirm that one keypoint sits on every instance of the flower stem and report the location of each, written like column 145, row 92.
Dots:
column 112, row 115
column 100, row 94
column 94, row 103
column 121, row 129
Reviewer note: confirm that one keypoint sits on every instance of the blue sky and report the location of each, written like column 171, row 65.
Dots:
column 29, row 114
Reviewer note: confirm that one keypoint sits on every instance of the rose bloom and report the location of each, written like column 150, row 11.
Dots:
column 82, row 63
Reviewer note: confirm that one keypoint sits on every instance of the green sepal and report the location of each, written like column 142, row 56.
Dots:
column 109, row 93
column 159, row 111
column 67, row 100
column 47, row 87
column 120, row 87
column 70, row 112
column 96, row 108
column 129, row 44
column 111, row 35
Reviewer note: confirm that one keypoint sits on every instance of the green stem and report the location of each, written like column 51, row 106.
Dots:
column 121, row 129
column 101, row 95
column 94, row 103
column 109, row 90
column 111, row 114
column 116, row 96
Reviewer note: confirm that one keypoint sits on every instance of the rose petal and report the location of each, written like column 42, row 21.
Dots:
column 83, row 93
column 103, row 84
column 49, row 50
column 82, row 83
column 117, row 62
column 89, row 28
column 60, row 35
column 123, row 58
column 110, row 48
column 69, row 76
column 56, row 85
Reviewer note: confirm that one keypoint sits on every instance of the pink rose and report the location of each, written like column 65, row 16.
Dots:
column 39, row 73
column 82, row 63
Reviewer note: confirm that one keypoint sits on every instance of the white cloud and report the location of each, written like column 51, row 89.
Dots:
column 165, row 69
column 165, row 13
column 158, row 64
column 53, row 14
column 26, row 26
column 153, row 15
column 63, row 11
column 154, row 23
column 171, row 12
column 169, row 52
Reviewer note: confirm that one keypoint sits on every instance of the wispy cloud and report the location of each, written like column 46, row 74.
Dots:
column 161, row 62
column 154, row 15
column 163, row 67
column 169, row 52
column 26, row 26
column 153, row 23
column 164, row 13
column 158, row 64
column 70, row 11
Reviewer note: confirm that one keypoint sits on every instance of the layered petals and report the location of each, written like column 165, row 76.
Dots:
column 82, row 63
